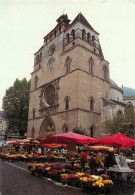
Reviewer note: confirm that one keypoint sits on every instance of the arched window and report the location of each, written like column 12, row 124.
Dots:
column 50, row 36
column 83, row 34
column 105, row 72
column 88, row 37
column 91, row 104
column 60, row 29
column 40, row 56
column 67, row 35
column 33, row 113
column 67, row 104
column 55, row 33
column 32, row 132
column 91, row 63
column 66, row 100
column 35, row 82
column 51, row 63
column 91, row 132
column 68, row 64
column 65, row 128
column 73, row 34
column 93, row 38
column 37, row 59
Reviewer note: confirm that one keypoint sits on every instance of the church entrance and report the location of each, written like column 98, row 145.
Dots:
column 47, row 128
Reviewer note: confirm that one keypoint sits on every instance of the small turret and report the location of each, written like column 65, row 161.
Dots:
column 63, row 18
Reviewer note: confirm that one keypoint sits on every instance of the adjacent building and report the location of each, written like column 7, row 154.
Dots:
column 3, row 125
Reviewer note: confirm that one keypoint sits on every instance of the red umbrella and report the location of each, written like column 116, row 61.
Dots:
column 15, row 143
column 70, row 138
column 117, row 140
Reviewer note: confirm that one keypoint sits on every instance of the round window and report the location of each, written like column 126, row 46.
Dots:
column 51, row 62
column 51, row 65
column 49, row 95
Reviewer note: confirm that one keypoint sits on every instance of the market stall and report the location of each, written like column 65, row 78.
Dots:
column 117, row 140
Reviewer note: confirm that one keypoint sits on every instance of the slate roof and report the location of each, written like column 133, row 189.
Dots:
column 128, row 91
column 113, row 83
column 83, row 20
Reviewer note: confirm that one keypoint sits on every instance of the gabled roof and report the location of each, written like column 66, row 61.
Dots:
column 80, row 18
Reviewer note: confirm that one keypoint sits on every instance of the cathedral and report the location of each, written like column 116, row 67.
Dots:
column 70, row 83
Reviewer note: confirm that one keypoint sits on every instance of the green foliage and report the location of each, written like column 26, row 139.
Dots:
column 123, row 123
column 15, row 105
column 79, row 130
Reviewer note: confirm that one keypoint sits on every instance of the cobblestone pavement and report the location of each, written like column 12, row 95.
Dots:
column 15, row 179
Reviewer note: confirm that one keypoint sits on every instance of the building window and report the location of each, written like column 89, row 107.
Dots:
column 51, row 63
column 65, row 128
column 51, row 50
column 50, row 36
column 91, row 132
column 67, row 37
column 35, row 82
column 37, row 59
column 83, row 34
column 88, row 37
column 60, row 29
column 67, row 104
column 32, row 132
column 93, row 38
column 73, row 34
column 91, row 63
column 68, row 64
column 105, row 72
column 33, row 113
column 40, row 56
column 66, row 100
column 91, row 104
column 55, row 33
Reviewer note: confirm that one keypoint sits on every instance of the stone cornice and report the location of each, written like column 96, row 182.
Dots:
column 82, row 46
column 78, row 69
column 65, row 111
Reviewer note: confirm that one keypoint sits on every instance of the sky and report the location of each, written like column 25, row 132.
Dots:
column 24, row 23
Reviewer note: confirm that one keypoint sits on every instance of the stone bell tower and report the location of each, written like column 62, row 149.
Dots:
column 70, row 76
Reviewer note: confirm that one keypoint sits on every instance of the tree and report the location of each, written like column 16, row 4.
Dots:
column 123, row 123
column 15, row 106
column 79, row 130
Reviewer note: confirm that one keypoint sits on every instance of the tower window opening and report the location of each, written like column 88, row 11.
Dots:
column 73, row 34
column 67, row 104
column 55, row 33
column 88, row 37
column 91, row 104
column 60, row 29
column 83, row 34
column 91, row 131
column 35, row 82
column 68, row 64
column 67, row 37
column 34, row 112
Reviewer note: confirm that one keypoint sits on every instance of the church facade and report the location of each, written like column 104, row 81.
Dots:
column 70, row 83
